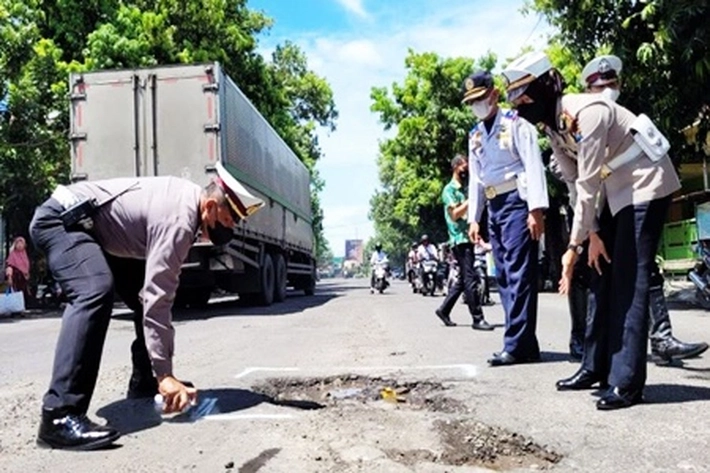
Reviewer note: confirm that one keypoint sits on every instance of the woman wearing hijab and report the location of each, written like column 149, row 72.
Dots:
column 17, row 267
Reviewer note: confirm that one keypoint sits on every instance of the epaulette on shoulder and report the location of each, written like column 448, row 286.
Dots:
column 511, row 114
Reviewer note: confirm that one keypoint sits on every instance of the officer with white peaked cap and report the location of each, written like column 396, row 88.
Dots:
column 603, row 147
column 131, row 235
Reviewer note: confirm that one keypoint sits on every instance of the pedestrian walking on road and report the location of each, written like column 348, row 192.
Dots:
column 508, row 176
column 622, row 159
column 455, row 201
column 93, row 233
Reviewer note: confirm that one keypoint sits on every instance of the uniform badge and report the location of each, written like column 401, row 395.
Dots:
column 504, row 136
column 475, row 142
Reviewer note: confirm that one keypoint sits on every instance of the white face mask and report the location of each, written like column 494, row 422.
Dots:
column 481, row 108
column 611, row 94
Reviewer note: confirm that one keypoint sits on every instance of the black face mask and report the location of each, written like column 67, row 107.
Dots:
column 219, row 234
column 463, row 177
column 532, row 112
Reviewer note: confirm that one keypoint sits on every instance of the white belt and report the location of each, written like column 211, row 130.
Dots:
column 65, row 197
column 493, row 191
column 632, row 152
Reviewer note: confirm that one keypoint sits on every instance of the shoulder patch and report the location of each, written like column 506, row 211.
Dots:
column 511, row 114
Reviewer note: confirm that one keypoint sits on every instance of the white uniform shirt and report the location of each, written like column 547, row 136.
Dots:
column 378, row 257
column 426, row 252
column 510, row 149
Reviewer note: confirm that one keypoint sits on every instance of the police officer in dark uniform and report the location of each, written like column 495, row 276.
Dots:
column 619, row 162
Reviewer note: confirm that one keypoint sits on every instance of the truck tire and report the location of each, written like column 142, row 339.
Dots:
column 280, row 278
column 266, row 294
column 310, row 286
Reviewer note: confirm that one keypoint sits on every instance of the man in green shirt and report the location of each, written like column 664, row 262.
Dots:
column 456, row 212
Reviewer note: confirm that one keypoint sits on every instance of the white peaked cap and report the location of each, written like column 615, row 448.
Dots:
column 601, row 70
column 241, row 202
column 525, row 69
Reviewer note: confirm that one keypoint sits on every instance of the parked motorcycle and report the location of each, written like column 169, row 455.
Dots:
column 700, row 274
column 50, row 294
column 480, row 267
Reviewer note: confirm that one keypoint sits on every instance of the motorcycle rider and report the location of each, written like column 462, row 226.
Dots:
column 412, row 264
column 602, row 75
column 378, row 257
column 426, row 251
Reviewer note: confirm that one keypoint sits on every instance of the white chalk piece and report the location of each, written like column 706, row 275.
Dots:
column 159, row 404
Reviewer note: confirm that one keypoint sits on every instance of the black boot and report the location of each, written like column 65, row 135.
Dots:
column 672, row 349
column 62, row 430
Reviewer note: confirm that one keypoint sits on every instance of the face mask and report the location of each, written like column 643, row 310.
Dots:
column 532, row 112
column 219, row 234
column 481, row 109
column 611, row 94
column 463, row 177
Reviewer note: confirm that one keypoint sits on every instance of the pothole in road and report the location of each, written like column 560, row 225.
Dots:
column 466, row 441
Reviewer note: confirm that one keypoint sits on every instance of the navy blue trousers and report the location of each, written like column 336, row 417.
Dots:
column 516, row 259
column 86, row 275
column 617, row 332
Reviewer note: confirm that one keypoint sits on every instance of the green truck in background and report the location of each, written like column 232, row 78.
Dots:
column 180, row 121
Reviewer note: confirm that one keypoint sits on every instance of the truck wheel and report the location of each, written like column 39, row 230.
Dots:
column 280, row 278
column 310, row 286
column 266, row 295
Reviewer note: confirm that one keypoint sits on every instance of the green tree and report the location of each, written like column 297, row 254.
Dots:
column 663, row 45
column 41, row 41
column 432, row 127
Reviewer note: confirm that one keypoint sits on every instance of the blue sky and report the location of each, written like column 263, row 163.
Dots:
column 359, row 44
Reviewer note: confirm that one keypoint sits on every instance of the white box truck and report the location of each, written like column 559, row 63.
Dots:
column 180, row 121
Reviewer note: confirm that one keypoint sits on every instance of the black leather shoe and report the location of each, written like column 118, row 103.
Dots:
column 504, row 358
column 482, row 324
column 582, row 379
column 73, row 432
column 670, row 349
column 616, row 398
column 444, row 318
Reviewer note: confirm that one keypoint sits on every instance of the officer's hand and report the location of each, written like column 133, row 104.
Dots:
column 568, row 260
column 597, row 250
column 176, row 396
column 536, row 223
column 473, row 231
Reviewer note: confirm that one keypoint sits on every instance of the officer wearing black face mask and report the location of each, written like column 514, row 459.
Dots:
column 455, row 201
column 624, row 180
column 131, row 235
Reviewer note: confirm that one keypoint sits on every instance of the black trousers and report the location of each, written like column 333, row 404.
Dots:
column 86, row 276
column 466, row 283
column 617, row 335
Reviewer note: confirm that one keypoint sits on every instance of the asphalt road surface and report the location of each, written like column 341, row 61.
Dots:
column 346, row 381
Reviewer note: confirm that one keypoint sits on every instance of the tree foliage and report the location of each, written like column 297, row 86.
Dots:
column 431, row 128
column 41, row 41
column 663, row 44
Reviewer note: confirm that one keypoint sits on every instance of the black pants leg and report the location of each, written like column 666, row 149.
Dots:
column 637, row 232
column 79, row 266
column 129, row 277
column 659, row 319
column 466, row 282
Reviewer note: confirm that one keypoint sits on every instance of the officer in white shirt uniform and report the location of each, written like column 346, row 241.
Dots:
column 507, row 174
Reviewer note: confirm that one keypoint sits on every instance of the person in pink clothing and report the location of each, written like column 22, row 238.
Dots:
column 17, row 267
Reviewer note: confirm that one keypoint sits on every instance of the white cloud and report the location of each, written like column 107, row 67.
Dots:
column 358, row 59
column 354, row 6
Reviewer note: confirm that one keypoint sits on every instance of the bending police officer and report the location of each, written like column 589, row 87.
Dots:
column 86, row 231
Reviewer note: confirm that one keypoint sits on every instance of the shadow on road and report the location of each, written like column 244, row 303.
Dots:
column 675, row 393
column 134, row 415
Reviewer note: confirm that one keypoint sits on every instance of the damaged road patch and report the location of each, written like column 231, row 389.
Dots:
column 462, row 439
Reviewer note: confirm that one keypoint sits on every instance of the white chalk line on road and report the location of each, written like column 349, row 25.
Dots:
column 468, row 370
column 249, row 416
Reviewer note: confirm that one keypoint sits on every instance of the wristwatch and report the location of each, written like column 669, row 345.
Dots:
column 576, row 248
